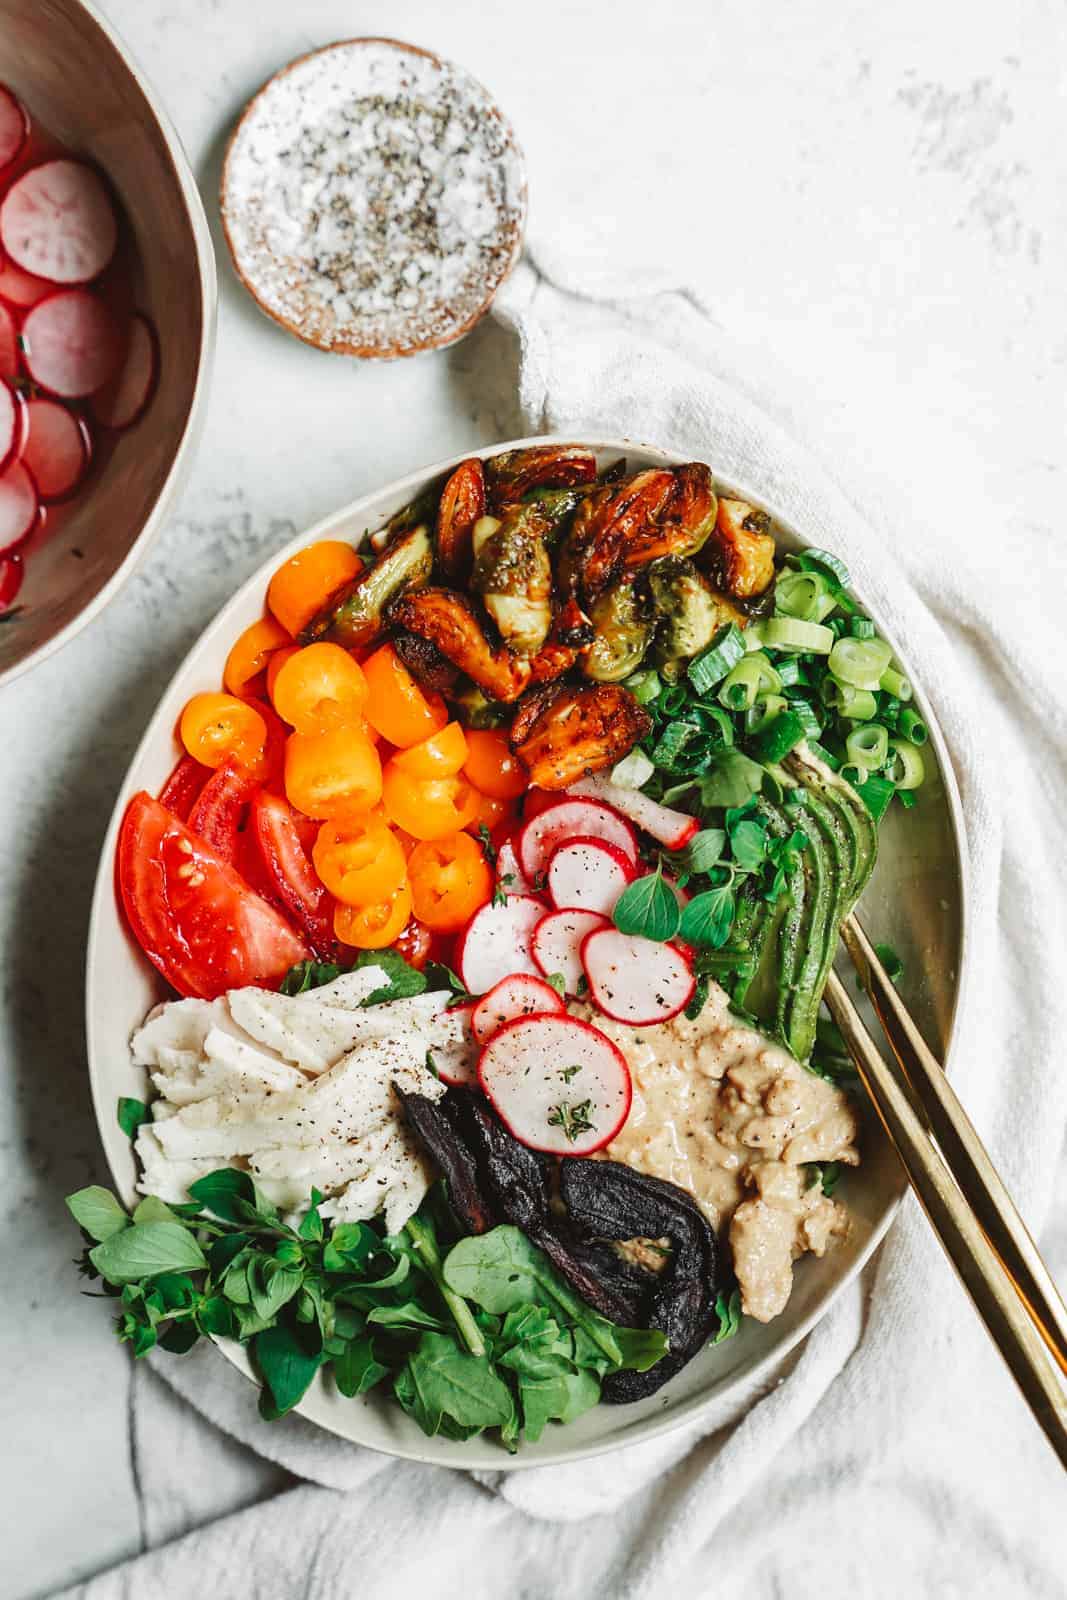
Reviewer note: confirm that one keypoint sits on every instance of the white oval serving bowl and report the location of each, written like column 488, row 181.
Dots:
column 915, row 901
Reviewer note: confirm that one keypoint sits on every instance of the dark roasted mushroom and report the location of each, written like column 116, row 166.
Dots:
column 447, row 619
column 354, row 617
column 462, row 503
column 513, row 473
column 563, row 733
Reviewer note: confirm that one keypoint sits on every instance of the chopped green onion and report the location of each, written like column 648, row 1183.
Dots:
column 912, row 726
column 895, row 683
column 792, row 672
column 906, row 769
column 894, row 967
column 855, row 774
column 806, row 713
column 907, row 798
column 860, row 662
column 752, row 677
column 862, row 628
column 889, row 711
column 858, row 705
column 868, row 745
column 644, row 686
column 672, row 742
column 781, row 735
column 672, row 700
column 633, row 770
column 876, row 794
column 822, row 754
column 813, row 559
column 808, row 596
column 708, row 669
column 789, row 633
column 764, row 711
column 713, row 720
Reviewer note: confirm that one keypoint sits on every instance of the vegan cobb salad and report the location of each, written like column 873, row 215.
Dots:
column 500, row 883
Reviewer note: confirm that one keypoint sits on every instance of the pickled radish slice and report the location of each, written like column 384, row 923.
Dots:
column 9, row 344
column 122, row 401
column 14, row 127
column 11, row 424
column 57, row 448
column 496, row 942
column 18, row 508
column 57, row 221
column 571, row 819
column 20, row 288
column 636, row 980
column 557, row 942
column 558, row 1084
column 11, row 575
column 72, row 346
column 516, row 996
column 588, row 873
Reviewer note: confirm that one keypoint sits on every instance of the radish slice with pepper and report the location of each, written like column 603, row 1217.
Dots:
column 517, row 995
column 12, row 425
column 57, row 221
column 571, row 819
column 20, row 288
column 71, row 343
column 455, row 1057
column 557, row 942
column 509, row 874
column 590, row 873
column 57, row 448
column 19, row 508
column 14, row 127
column 558, row 1084
column 673, row 829
column 9, row 344
column 124, row 399
column 496, row 942
column 636, row 980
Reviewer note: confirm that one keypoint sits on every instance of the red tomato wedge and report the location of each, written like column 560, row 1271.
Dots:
column 182, row 787
column 293, row 879
column 194, row 917
column 220, row 807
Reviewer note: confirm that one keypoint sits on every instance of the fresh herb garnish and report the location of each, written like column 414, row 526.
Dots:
column 648, row 907
column 402, row 979
column 728, row 1311
column 573, row 1118
column 567, row 1073
column 487, row 843
column 556, row 980
column 130, row 1114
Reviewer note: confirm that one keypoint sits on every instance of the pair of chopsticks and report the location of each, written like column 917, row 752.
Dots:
column 960, row 1190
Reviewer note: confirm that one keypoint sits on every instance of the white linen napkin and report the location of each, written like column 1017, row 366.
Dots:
column 892, row 1451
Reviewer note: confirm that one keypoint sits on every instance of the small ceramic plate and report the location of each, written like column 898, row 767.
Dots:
column 374, row 199
column 914, row 901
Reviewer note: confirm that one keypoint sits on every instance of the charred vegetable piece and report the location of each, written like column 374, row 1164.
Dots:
column 511, row 475
column 513, row 576
column 740, row 552
column 604, row 526
column 564, row 733
column 622, row 628
column 690, row 612
column 448, row 621
column 571, row 633
column 436, row 1126
column 416, row 514
column 608, row 1200
column 425, row 662
column 462, row 503
column 355, row 617
column 474, row 707
column 685, row 524
column 558, row 505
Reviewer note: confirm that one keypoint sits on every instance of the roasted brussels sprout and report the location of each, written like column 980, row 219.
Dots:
column 462, row 503
column 563, row 733
column 604, row 525
column 355, row 617
column 474, row 707
column 622, row 627
column 690, row 612
column 571, row 633
column 740, row 553
column 510, row 475
column 685, row 523
column 425, row 662
column 513, row 576
column 448, row 620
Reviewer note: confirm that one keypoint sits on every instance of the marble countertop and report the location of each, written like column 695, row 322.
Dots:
column 875, row 195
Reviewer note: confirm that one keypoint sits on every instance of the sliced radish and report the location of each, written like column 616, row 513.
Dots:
column 674, row 829
column 14, row 127
column 509, row 875
column 496, row 942
column 589, row 873
column 455, row 1057
column 536, row 800
column 11, row 575
column 9, row 344
column 72, row 345
column 571, row 819
column 57, row 448
column 636, row 980
column 518, row 995
column 20, row 288
column 559, row 1084
column 57, row 221
column 18, row 508
column 557, row 942
column 12, row 425
column 125, row 397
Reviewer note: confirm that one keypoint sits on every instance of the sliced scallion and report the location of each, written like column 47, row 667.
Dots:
column 633, row 770
column 895, row 683
column 868, row 745
column 907, row 798
column 912, row 726
column 774, row 742
column 671, row 700
column 825, row 559
column 858, row 705
column 723, row 653
column 822, row 754
column 789, row 633
column 862, row 628
column 644, row 686
column 876, row 793
column 906, row 768
column 855, row 774
column 806, row 712
column 764, row 711
column 860, row 662
column 792, row 672
column 753, row 676
column 809, row 596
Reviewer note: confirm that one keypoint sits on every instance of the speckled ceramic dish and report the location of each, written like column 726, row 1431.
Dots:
column 914, row 900
column 374, row 199
column 74, row 75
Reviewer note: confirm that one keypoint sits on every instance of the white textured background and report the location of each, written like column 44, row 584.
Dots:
column 874, row 195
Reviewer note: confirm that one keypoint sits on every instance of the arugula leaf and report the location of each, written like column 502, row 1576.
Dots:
column 311, row 1226
column 708, row 917
column 451, row 1383
column 648, row 907
column 438, row 976
column 286, row 1366
column 826, row 1173
column 98, row 1212
column 559, row 1397
column 145, row 1248
column 409, row 1315
column 130, row 1114
column 728, row 1312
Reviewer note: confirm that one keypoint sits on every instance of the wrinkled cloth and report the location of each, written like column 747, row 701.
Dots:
column 890, row 1453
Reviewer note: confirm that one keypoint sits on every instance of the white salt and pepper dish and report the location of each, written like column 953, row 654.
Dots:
column 373, row 198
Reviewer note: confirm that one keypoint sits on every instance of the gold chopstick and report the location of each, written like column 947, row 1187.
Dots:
column 1007, row 1316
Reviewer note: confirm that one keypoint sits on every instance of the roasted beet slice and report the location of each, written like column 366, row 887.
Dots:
column 435, row 1124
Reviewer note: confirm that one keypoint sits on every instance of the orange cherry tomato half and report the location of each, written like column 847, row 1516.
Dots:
column 359, row 859
column 450, row 879
column 318, row 688
column 276, row 663
column 440, row 756
column 428, row 808
column 491, row 767
column 490, row 813
column 375, row 926
column 251, row 652
column 327, row 773
column 396, row 706
column 308, row 581
column 218, row 727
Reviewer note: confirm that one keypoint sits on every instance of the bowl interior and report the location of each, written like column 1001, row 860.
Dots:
column 914, row 901
column 50, row 50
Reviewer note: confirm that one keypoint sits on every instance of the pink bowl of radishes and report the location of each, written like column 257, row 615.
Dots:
column 107, row 294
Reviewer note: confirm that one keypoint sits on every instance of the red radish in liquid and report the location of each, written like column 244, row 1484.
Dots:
column 670, row 828
column 558, row 1084
column 124, row 399
column 496, row 942
column 571, row 819
column 57, row 222
column 636, row 980
column 72, row 345
column 22, row 289
column 9, row 344
column 456, row 1062
column 518, row 995
column 19, row 508
column 14, row 127
column 57, row 448
column 11, row 575
column 588, row 873
column 557, row 942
